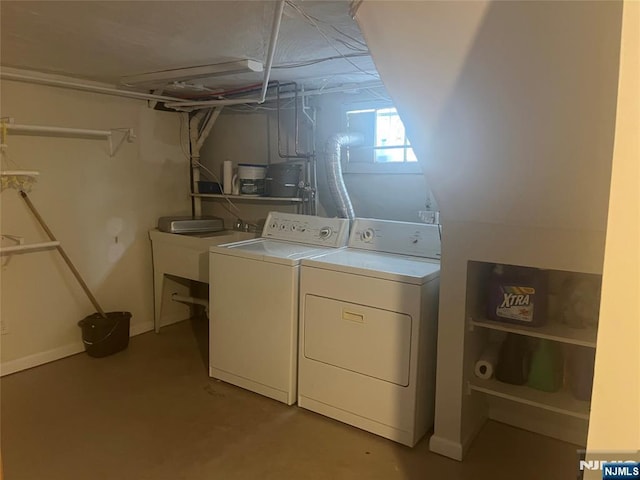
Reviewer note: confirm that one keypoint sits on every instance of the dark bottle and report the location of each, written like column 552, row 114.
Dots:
column 513, row 360
column 580, row 365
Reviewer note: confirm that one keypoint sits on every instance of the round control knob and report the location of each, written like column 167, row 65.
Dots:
column 367, row 235
column 325, row 232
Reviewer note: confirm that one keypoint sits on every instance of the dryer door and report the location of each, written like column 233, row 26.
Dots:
column 369, row 341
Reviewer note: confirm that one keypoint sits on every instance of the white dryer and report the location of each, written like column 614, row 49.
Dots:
column 253, row 298
column 368, row 329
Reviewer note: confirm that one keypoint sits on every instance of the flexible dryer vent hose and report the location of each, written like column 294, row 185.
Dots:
column 335, row 179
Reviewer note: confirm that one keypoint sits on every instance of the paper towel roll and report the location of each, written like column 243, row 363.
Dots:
column 486, row 364
column 227, row 177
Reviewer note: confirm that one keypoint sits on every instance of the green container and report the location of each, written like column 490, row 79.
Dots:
column 546, row 371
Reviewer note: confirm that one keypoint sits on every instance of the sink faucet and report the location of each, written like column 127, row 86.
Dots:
column 243, row 226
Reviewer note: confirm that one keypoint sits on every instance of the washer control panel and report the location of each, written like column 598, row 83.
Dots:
column 308, row 229
column 402, row 238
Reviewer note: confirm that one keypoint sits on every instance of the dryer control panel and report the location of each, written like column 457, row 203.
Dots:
column 402, row 238
column 308, row 229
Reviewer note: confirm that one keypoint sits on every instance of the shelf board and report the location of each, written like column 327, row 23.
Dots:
column 249, row 198
column 558, row 332
column 559, row 402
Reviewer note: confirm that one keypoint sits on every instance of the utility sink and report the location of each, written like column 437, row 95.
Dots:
column 185, row 257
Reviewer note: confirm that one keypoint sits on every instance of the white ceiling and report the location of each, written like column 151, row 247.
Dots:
column 107, row 40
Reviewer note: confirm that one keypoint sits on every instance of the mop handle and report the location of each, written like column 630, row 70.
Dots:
column 64, row 255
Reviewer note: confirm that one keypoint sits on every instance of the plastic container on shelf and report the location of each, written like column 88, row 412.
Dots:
column 580, row 302
column 547, row 367
column 513, row 360
column 209, row 187
column 518, row 295
column 282, row 179
column 251, row 179
column 580, row 363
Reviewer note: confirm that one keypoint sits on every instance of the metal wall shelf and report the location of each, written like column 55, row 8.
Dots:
column 125, row 134
column 248, row 198
column 559, row 402
column 585, row 337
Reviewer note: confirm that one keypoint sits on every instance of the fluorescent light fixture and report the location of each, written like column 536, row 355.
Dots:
column 183, row 74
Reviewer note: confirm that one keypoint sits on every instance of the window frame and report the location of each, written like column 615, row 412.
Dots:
column 373, row 167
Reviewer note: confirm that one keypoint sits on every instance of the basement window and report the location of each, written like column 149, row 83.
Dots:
column 386, row 148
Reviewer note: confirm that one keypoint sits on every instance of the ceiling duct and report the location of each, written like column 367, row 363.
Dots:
column 164, row 77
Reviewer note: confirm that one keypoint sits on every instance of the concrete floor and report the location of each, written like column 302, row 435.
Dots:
column 151, row 412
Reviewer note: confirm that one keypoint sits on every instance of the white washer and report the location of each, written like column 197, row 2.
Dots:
column 253, row 296
column 368, row 328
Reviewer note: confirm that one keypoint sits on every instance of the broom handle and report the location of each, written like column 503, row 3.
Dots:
column 64, row 255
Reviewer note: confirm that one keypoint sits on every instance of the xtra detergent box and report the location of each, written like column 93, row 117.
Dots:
column 518, row 295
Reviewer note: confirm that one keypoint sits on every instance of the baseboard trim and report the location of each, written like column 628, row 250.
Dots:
column 30, row 361
column 473, row 433
column 445, row 447
column 139, row 328
column 454, row 449
column 551, row 424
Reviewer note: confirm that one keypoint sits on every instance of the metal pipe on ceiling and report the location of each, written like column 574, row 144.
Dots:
column 306, row 93
column 273, row 41
column 297, row 153
column 85, row 87
column 179, row 104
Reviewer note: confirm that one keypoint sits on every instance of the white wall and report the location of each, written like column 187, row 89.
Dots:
column 100, row 208
column 252, row 138
column 242, row 138
column 373, row 195
column 511, row 110
column 615, row 413
column 505, row 100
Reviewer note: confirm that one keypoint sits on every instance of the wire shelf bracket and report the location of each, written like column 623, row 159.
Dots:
column 125, row 134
